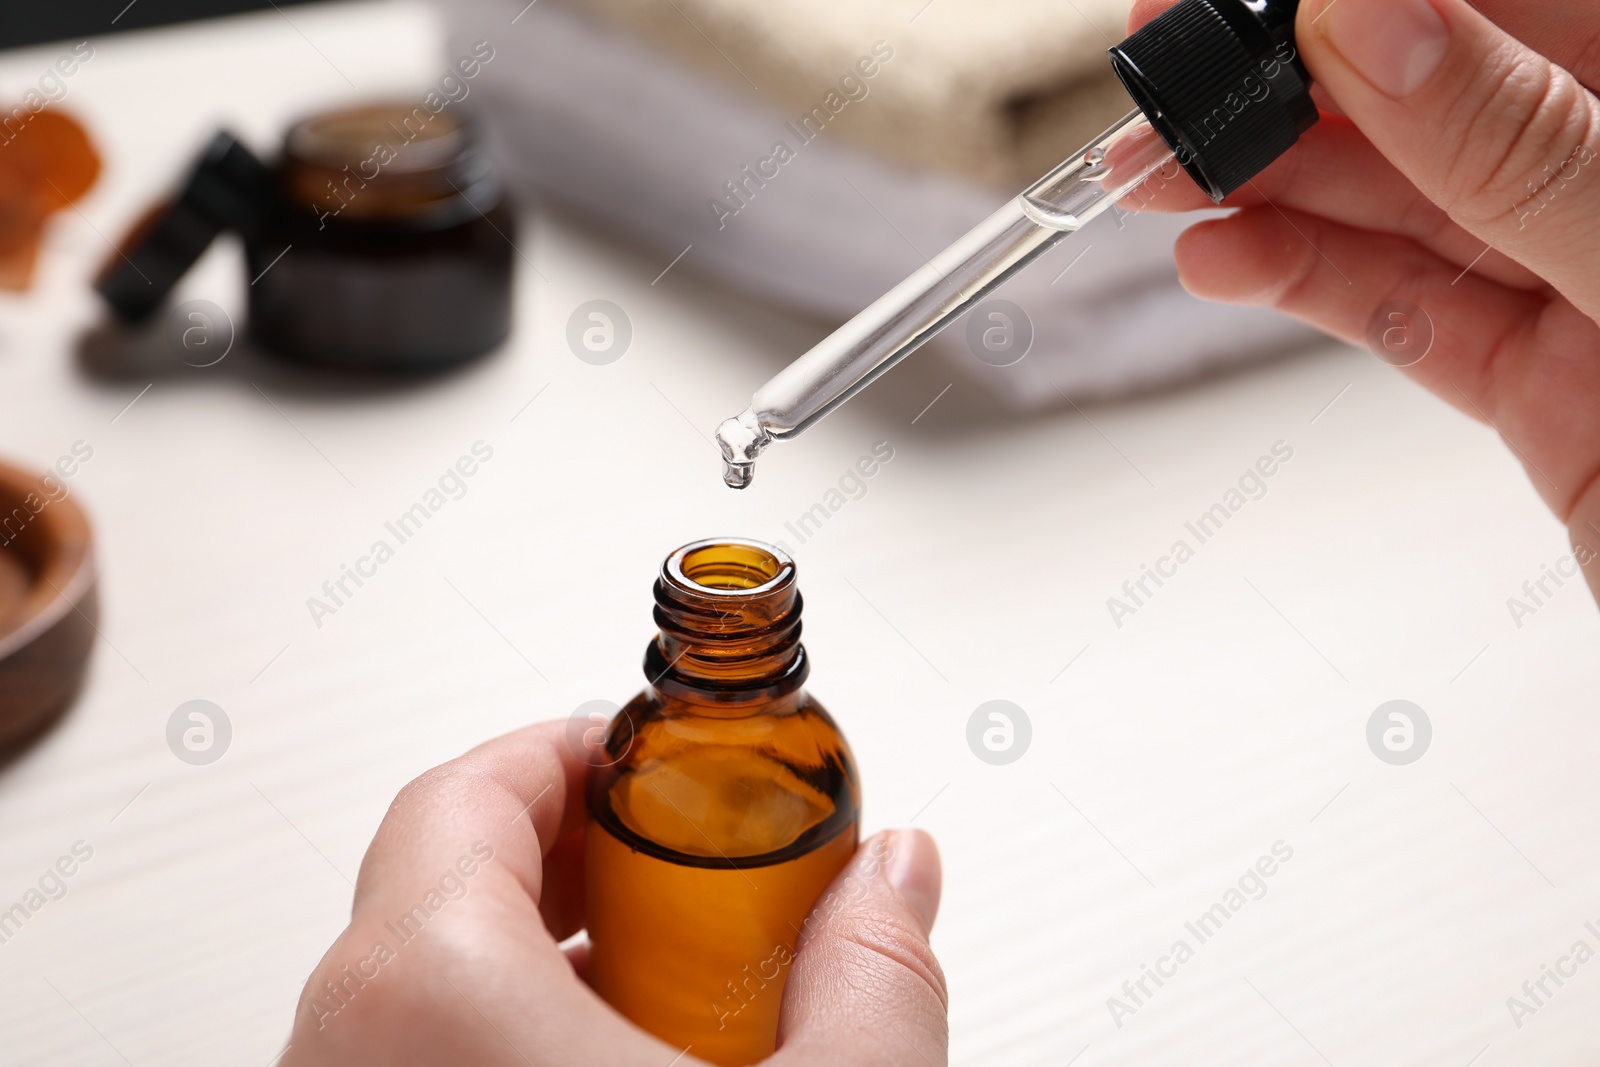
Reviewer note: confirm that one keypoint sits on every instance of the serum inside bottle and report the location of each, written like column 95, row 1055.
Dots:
column 727, row 803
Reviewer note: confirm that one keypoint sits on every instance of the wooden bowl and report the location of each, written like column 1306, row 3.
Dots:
column 48, row 606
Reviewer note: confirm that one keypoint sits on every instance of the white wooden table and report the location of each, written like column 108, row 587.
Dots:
column 1168, row 754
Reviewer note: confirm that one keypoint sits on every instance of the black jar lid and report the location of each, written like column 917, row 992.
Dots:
column 228, row 188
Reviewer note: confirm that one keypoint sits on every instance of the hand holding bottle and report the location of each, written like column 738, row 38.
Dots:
column 475, row 875
column 1456, row 169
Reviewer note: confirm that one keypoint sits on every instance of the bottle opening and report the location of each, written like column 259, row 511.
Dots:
column 730, row 566
column 728, row 612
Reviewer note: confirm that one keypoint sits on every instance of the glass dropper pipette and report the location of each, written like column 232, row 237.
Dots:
column 897, row 323
column 1220, row 91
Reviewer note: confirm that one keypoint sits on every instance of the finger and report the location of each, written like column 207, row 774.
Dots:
column 1567, row 33
column 1334, row 171
column 1583, row 530
column 866, row 988
column 1501, row 355
column 1326, row 104
column 426, row 974
column 1500, row 137
column 1145, row 10
column 515, row 798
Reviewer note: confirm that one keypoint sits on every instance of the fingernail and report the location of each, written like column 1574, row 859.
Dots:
column 913, row 871
column 1395, row 44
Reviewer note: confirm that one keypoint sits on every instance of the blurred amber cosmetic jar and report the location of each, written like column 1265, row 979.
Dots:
column 395, row 243
column 380, row 240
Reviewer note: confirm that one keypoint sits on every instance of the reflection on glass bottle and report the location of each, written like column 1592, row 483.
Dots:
column 728, row 803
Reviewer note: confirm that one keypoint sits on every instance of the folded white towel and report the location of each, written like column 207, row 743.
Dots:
column 624, row 131
column 986, row 89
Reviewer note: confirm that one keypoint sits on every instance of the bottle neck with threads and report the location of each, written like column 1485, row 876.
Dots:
column 728, row 612
column 725, row 759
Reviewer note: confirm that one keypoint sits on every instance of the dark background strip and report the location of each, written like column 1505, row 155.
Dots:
column 24, row 22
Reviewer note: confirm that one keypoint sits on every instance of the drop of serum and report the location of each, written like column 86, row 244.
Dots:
column 741, row 440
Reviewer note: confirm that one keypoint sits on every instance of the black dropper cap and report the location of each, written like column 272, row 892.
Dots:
column 1223, row 84
column 228, row 188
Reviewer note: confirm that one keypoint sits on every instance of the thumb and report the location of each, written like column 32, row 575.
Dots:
column 865, row 987
column 1501, row 138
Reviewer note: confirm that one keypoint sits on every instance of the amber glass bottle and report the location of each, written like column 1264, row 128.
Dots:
column 727, row 804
